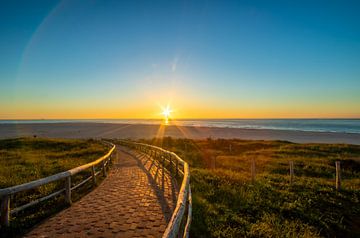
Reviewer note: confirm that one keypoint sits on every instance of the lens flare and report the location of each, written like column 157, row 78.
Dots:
column 166, row 113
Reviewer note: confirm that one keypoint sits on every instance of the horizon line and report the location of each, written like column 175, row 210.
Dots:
column 228, row 118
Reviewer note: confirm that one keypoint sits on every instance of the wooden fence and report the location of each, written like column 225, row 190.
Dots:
column 6, row 193
column 179, row 225
column 292, row 174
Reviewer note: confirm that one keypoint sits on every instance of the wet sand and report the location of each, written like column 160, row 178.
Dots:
column 108, row 130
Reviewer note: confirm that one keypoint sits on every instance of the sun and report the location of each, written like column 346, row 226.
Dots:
column 166, row 113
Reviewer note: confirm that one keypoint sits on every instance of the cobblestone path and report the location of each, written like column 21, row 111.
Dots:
column 135, row 200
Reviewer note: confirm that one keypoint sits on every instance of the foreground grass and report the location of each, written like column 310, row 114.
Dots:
column 27, row 159
column 227, row 204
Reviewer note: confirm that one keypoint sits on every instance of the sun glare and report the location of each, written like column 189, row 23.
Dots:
column 166, row 113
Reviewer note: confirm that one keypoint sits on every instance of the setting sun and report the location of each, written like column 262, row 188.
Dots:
column 166, row 112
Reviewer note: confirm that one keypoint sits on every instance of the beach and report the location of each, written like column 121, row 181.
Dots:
column 136, row 131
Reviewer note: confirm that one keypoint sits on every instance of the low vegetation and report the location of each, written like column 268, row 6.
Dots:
column 27, row 159
column 227, row 204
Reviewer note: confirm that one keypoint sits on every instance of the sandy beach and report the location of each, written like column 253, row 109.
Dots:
column 109, row 130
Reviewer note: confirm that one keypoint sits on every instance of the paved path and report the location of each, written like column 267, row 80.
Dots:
column 133, row 201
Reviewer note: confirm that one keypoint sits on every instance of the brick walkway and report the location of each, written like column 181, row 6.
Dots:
column 133, row 201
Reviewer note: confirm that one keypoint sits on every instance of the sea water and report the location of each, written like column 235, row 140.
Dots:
column 315, row 125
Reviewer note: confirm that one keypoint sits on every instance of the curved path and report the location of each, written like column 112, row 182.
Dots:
column 135, row 200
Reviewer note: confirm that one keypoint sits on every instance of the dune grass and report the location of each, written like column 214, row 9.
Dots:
column 227, row 204
column 26, row 159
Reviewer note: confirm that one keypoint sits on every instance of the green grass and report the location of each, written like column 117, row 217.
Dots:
column 26, row 159
column 227, row 204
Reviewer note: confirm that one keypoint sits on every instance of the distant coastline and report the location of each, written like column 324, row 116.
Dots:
column 350, row 125
column 136, row 131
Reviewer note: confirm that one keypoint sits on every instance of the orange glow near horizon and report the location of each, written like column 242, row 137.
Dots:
column 186, row 108
column 185, row 115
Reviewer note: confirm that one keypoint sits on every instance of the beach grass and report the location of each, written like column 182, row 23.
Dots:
column 226, row 203
column 27, row 159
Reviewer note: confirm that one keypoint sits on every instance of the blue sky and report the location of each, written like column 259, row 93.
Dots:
column 122, row 59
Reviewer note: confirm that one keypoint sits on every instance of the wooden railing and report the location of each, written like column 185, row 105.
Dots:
column 179, row 224
column 6, row 193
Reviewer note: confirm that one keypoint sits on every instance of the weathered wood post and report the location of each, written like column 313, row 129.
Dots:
column 163, row 171
column 291, row 172
column 162, row 157
column 170, row 159
column 104, row 168
column 114, row 154
column 253, row 170
column 213, row 162
column 338, row 175
column 5, row 211
column 177, row 168
column 93, row 174
column 112, row 157
column 68, row 190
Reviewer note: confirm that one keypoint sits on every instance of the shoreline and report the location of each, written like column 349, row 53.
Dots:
column 325, row 124
column 137, row 131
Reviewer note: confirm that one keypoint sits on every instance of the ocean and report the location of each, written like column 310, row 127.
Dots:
column 315, row 125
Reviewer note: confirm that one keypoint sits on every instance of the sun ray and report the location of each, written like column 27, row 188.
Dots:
column 166, row 112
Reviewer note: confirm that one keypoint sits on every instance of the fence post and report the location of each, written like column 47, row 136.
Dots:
column 68, row 190
column 93, row 174
column 177, row 168
column 170, row 159
column 213, row 162
column 163, row 161
column 253, row 170
column 291, row 172
column 5, row 211
column 338, row 175
column 162, row 157
column 114, row 154
column 104, row 168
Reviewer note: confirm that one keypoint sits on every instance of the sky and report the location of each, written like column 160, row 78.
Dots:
column 205, row 59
